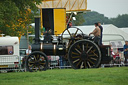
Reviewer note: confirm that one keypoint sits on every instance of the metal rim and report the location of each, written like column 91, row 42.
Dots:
column 84, row 54
column 36, row 61
column 72, row 37
column 69, row 33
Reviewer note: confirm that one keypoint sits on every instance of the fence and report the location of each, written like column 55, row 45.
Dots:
column 15, row 63
column 58, row 62
column 9, row 63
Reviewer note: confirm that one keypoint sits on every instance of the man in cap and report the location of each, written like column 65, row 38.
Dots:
column 96, row 32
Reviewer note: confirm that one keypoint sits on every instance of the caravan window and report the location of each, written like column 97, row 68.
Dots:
column 6, row 50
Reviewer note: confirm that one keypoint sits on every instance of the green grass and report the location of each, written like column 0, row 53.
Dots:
column 99, row 76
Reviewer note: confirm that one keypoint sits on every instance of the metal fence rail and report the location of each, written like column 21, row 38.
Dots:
column 58, row 62
column 9, row 63
column 14, row 63
column 112, row 65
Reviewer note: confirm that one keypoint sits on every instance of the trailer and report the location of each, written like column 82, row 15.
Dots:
column 9, row 53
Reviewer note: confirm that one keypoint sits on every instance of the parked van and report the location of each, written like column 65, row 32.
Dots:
column 9, row 52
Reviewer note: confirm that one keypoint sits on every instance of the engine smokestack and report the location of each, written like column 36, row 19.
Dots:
column 37, row 25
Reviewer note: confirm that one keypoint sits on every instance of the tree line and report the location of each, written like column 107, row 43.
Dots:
column 91, row 17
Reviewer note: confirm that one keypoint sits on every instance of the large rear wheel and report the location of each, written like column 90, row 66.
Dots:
column 84, row 54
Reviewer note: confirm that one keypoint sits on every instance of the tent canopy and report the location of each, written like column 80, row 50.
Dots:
column 110, row 33
column 125, row 29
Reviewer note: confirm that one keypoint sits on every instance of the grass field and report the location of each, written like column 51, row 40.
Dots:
column 99, row 76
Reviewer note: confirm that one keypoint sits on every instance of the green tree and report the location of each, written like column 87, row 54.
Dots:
column 120, row 21
column 15, row 16
column 90, row 18
column 93, row 17
column 79, row 19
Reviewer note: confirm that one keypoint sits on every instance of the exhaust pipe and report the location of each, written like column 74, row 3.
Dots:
column 37, row 26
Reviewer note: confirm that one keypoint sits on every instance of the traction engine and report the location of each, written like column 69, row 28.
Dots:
column 80, row 50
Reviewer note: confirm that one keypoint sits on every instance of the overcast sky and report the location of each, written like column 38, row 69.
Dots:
column 110, row 8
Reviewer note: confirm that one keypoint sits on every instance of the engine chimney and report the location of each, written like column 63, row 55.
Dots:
column 37, row 25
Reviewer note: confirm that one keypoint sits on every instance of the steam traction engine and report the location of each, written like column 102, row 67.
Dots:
column 80, row 50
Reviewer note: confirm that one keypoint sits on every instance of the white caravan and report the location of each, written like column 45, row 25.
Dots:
column 9, row 52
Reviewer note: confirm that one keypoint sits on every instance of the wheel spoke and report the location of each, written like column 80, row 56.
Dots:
column 35, row 58
column 89, row 49
column 31, row 62
column 85, row 64
column 89, row 64
column 69, row 33
column 69, row 43
column 90, row 61
column 75, row 56
column 78, row 51
column 33, row 67
column 79, row 48
column 95, row 54
column 38, row 57
column 83, row 46
column 92, row 51
column 93, row 59
column 87, row 46
column 81, row 65
column 75, row 32
column 78, row 63
column 42, row 63
column 30, row 65
column 39, row 68
column 76, row 60
column 91, row 55
column 36, row 69
column 75, row 53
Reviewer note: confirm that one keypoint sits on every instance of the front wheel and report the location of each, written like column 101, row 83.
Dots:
column 36, row 61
